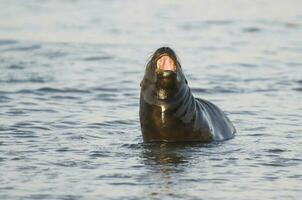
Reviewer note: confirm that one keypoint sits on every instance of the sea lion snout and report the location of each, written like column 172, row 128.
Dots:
column 166, row 71
column 166, row 63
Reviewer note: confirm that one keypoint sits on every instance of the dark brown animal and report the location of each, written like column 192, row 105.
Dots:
column 168, row 110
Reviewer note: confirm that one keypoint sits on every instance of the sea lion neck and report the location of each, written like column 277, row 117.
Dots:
column 166, row 79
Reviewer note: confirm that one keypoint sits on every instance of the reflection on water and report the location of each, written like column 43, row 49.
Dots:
column 170, row 164
column 166, row 160
column 164, row 154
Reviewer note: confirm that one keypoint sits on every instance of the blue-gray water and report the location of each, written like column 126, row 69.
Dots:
column 69, row 93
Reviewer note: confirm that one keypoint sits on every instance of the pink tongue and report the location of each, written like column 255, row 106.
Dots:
column 166, row 63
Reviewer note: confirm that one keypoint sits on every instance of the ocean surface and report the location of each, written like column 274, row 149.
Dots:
column 69, row 98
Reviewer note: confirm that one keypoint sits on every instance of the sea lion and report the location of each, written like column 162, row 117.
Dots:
column 169, row 112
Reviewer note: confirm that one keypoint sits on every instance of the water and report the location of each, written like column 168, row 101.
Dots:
column 69, row 94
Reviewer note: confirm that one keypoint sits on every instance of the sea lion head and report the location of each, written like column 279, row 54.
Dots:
column 163, row 76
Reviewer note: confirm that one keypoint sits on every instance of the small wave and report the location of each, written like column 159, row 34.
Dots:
column 104, row 89
column 63, row 149
column 256, row 128
column 272, row 164
column 266, row 90
column 107, row 97
column 22, row 124
column 249, row 65
column 42, row 196
column 29, row 80
column 299, row 81
column 66, row 163
column 299, row 89
column 97, row 58
column 294, row 64
column 64, row 97
column 94, row 136
column 4, row 99
column 72, row 123
column 29, row 126
column 8, row 42
column 124, row 183
column 251, row 29
column 295, row 176
column 283, row 162
column 25, row 48
column 24, row 167
column 66, row 90
column 244, row 112
column 115, row 175
column 24, row 134
column 15, row 66
column 133, row 146
column 218, row 22
column 56, row 54
column 122, row 122
column 203, row 24
column 277, row 150
column 4, row 188
column 14, row 112
column 96, row 154
column 71, row 135
column 97, row 125
column 2, row 159
column 199, row 90
column 27, row 110
column 257, row 134
column 216, row 90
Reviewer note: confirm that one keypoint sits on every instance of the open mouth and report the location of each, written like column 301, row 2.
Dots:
column 165, row 63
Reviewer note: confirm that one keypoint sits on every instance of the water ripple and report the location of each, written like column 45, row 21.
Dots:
column 24, row 48
column 65, row 90
column 7, row 42
column 69, row 99
column 98, row 58
column 16, row 66
column 251, row 29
